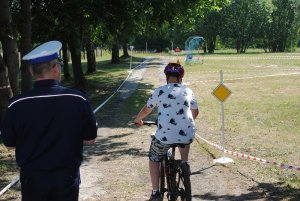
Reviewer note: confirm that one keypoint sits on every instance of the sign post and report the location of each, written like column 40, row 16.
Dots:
column 221, row 92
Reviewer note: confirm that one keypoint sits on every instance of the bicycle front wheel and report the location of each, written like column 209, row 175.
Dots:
column 182, row 183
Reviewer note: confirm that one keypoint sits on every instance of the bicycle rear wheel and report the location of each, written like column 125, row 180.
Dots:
column 182, row 183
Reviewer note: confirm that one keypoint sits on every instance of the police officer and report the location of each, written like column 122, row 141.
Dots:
column 47, row 127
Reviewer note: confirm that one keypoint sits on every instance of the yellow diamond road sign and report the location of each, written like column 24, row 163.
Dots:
column 221, row 92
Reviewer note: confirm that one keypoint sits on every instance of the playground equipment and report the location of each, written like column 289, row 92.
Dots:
column 191, row 44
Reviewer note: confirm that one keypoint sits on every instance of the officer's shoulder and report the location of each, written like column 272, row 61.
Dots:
column 17, row 97
column 76, row 91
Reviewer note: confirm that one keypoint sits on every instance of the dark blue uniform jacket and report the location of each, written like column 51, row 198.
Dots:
column 48, row 125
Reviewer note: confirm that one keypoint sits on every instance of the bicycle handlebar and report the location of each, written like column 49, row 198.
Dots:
column 150, row 123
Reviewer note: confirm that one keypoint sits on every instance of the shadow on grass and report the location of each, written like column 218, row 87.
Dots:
column 265, row 191
column 108, row 150
column 120, row 111
column 202, row 170
column 262, row 191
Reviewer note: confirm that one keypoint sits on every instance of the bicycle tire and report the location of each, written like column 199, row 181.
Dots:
column 181, row 184
column 185, row 173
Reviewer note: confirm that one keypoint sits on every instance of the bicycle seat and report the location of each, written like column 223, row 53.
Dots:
column 181, row 145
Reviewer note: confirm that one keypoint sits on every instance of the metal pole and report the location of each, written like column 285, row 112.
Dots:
column 222, row 128
column 222, row 118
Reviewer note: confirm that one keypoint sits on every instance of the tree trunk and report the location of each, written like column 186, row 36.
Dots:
column 238, row 46
column 211, row 44
column 125, row 51
column 65, row 60
column 74, row 45
column 115, row 54
column 274, row 47
column 25, row 44
column 9, row 45
column 5, row 90
column 91, row 58
column 73, row 35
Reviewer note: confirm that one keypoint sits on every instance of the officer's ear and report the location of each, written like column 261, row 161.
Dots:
column 56, row 71
column 56, row 67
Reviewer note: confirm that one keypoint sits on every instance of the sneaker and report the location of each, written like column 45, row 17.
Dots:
column 155, row 197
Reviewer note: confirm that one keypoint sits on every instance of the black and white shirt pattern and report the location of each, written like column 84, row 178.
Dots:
column 175, row 120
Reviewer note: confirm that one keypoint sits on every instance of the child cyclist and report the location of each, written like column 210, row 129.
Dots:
column 177, row 110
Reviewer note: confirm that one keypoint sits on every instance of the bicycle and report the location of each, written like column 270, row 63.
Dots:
column 174, row 175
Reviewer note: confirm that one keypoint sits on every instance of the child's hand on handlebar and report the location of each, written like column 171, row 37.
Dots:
column 138, row 122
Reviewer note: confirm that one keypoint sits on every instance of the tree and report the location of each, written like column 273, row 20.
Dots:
column 211, row 26
column 9, row 49
column 9, row 45
column 281, row 26
column 65, row 58
column 118, row 21
column 90, row 52
column 169, row 22
column 61, row 20
column 5, row 90
column 243, row 19
column 25, row 43
column 74, row 42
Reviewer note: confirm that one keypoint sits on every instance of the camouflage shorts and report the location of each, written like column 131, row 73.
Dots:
column 157, row 150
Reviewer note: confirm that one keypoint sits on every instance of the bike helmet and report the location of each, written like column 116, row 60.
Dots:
column 174, row 69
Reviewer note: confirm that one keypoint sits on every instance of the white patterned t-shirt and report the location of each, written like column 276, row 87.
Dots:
column 175, row 120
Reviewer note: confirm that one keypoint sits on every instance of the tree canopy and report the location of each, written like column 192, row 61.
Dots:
column 115, row 24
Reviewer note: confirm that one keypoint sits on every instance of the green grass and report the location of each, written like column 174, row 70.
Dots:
column 262, row 115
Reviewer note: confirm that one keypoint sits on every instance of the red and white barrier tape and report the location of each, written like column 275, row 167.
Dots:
column 12, row 183
column 242, row 78
column 248, row 157
column 256, row 69
column 251, row 58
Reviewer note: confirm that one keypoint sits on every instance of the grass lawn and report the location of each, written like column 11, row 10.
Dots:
column 262, row 115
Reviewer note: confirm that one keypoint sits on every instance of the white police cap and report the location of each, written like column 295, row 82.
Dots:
column 43, row 53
